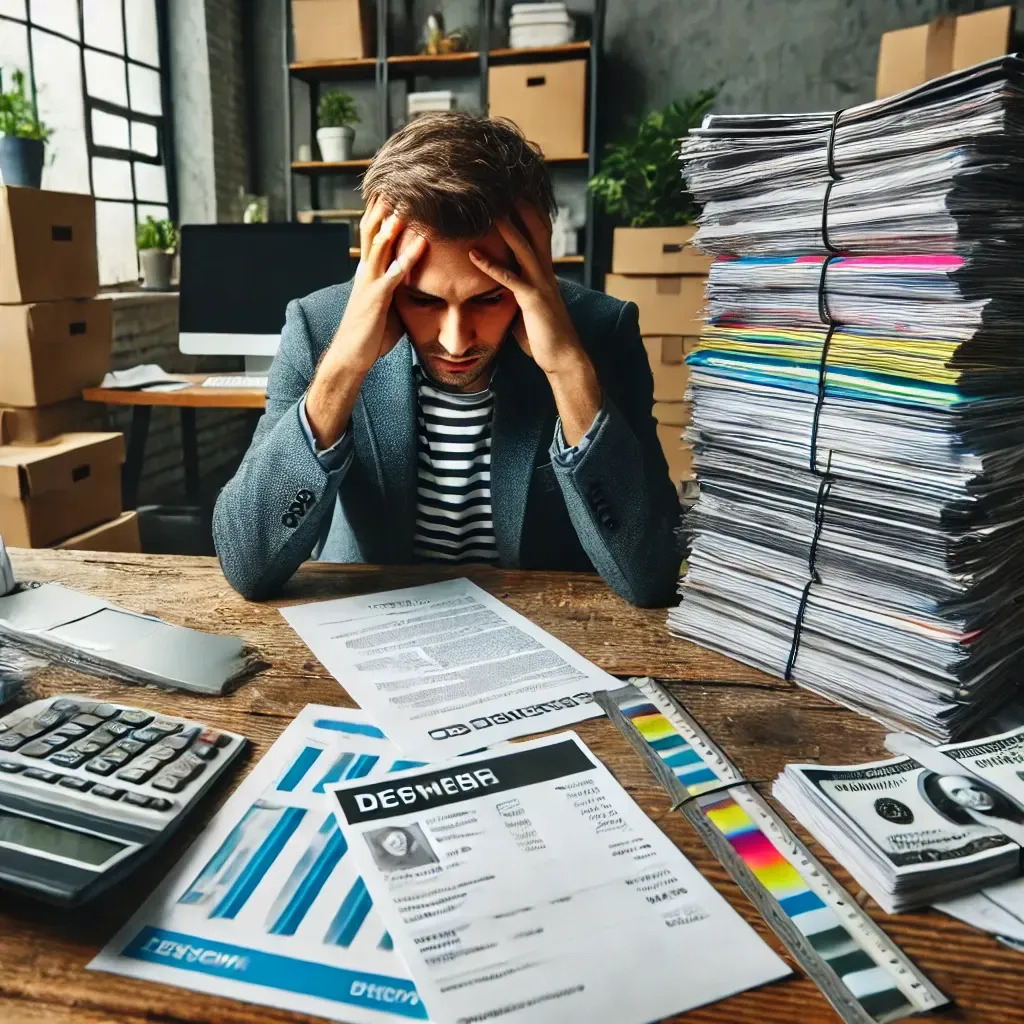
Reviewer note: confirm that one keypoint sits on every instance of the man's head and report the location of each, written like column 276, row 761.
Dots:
column 451, row 176
column 396, row 843
column 966, row 793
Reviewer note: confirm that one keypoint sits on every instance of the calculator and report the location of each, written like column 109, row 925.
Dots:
column 89, row 790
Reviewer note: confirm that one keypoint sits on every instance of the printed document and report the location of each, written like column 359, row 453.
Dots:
column 446, row 668
column 524, row 886
column 268, row 905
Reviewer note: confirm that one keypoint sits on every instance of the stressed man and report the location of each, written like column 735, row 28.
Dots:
column 456, row 402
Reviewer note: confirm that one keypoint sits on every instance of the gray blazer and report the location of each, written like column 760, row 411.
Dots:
column 614, row 509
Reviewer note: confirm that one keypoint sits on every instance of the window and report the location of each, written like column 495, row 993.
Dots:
column 95, row 71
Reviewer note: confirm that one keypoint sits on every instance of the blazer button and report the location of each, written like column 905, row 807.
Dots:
column 290, row 519
column 308, row 498
column 609, row 523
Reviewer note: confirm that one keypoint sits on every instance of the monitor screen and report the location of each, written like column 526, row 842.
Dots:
column 237, row 279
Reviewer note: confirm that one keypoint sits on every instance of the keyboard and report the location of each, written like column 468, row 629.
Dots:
column 236, row 382
column 89, row 789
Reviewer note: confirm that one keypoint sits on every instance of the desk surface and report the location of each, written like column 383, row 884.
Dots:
column 761, row 721
column 194, row 397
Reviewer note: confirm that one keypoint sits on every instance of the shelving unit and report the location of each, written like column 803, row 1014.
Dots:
column 386, row 66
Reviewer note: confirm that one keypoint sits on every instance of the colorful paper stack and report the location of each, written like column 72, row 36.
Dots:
column 858, row 420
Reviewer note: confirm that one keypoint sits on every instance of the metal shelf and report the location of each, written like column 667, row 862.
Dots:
column 340, row 166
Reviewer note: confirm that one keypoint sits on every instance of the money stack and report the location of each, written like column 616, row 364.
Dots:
column 858, row 419
column 911, row 836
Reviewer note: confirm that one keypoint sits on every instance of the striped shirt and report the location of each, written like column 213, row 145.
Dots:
column 453, row 488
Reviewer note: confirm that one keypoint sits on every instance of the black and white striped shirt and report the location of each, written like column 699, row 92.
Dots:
column 453, row 489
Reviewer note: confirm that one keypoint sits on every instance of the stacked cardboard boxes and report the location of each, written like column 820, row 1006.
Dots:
column 55, row 338
column 659, row 270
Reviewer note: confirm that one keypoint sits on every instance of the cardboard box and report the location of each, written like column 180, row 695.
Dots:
column 332, row 30
column 40, row 423
column 673, row 414
column 47, row 245
column 982, row 36
column 61, row 487
column 49, row 351
column 120, row 535
column 668, row 367
column 668, row 305
column 678, row 454
column 912, row 56
column 658, row 251
column 547, row 101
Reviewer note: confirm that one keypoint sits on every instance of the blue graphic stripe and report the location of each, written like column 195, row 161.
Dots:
column 196, row 891
column 667, row 743
column 311, row 885
column 284, row 973
column 399, row 766
column 682, row 758
column 800, row 903
column 386, row 942
column 336, row 772
column 694, row 778
column 350, row 916
column 252, row 874
column 357, row 728
column 291, row 778
column 364, row 763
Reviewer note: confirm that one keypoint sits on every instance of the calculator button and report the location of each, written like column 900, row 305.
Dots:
column 108, row 792
column 41, row 775
column 69, row 758
column 117, row 756
column 134, row 774
column 44, row 747
column 159, row 803
column 138, row 799
column 101, row 766
column 169, row 783
column 74, row 782
column 147, row 735
column 12, row 740
column 130, row 747
column 218, row 739
column 165, row 726
column 31, row 729
column 65, row 705
column 11, row 767
column 187, row 768
column 135, row 718
column 105, row 711
column 89, row 747
column 207, row 751
column 89, row 721
column 177, row 743
column 163, row 753
column 104, row 736
column 71, row 730
column 118, row 728
column 48, row 719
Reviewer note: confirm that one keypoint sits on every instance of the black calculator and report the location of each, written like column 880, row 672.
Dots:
column 88, row 790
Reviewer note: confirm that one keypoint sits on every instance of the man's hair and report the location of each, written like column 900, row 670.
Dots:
column 457, row 173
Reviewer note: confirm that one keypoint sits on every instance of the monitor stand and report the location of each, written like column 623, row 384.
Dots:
column 257, row 366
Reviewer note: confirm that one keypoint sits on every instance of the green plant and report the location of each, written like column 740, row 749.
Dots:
column 156, row 234
column 18, row 117
column 639, row 182
column 337, row 110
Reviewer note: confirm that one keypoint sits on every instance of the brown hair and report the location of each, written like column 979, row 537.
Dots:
column 456, row 173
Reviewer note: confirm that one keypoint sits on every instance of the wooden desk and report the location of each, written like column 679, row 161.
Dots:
column 762, row 722
column 187, row 400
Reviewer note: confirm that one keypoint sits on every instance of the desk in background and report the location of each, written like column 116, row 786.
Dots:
column 187, row 400
column 762, row 722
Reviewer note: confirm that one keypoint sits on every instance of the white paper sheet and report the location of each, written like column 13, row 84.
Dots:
column 999, row 909
column 524, row 886
column 446, row 668
column 145, row 376
column 267, row 906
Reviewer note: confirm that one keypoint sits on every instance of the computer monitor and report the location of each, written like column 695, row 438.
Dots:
column 237, row 279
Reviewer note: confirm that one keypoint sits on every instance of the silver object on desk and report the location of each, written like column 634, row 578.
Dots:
column 96, row 636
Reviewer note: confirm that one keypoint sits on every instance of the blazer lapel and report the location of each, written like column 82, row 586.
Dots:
column 524, row 418
column 386, row 412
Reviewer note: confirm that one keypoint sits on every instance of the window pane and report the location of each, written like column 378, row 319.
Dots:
column 61, row 109
column 151, row 183
column 13, row 51
column 115, row 241
column 109, row 130
column 144, row 138
column 103, row 26
column 60, row 15
column 104, row 78
column 140, row 16
column 111, row 179
column 144, row 86
column 15, row 8
column 156, row 212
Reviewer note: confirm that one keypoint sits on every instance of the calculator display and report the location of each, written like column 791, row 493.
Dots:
column 45, row 837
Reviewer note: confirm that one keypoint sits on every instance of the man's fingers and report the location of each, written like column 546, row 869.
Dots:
column 381, row 249
column 406, row 260
column 538, row 227
column 493, row 270
column 520, row 247
column 370, row 224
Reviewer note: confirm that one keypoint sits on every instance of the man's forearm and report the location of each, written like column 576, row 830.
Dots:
column 577, row 396
column 330, row 400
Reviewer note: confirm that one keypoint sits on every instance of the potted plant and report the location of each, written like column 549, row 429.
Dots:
column 639, row 185
column 22, row 136
column 336, row 115
column 156, row 241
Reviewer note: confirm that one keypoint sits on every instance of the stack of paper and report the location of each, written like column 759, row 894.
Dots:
column 906, row 833
column 858, row 422
column 539, row 24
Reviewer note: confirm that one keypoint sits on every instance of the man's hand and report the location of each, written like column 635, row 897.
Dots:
column 370, row 327
column 543, row 327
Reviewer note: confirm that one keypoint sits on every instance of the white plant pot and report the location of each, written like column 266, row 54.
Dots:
column 335, row 143
column 156, row 269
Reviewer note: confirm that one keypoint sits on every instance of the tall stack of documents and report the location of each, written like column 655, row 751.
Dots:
column 858, row 419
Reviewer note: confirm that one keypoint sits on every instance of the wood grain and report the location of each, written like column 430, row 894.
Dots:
column 761, row 721
column 193, row 397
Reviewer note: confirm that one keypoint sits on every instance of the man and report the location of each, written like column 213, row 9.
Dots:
column 456, row 402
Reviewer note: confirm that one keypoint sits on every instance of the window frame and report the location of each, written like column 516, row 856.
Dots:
column 163, row 123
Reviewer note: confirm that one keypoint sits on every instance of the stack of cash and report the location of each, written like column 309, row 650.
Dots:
column 907, row 834
column 858, row 421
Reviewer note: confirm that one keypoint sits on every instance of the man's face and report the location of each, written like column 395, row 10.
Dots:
column 396, row 843
column 965, row 794
column 456, row 316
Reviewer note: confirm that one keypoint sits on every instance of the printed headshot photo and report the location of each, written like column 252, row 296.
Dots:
column 954, row 795
column 400, row 848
